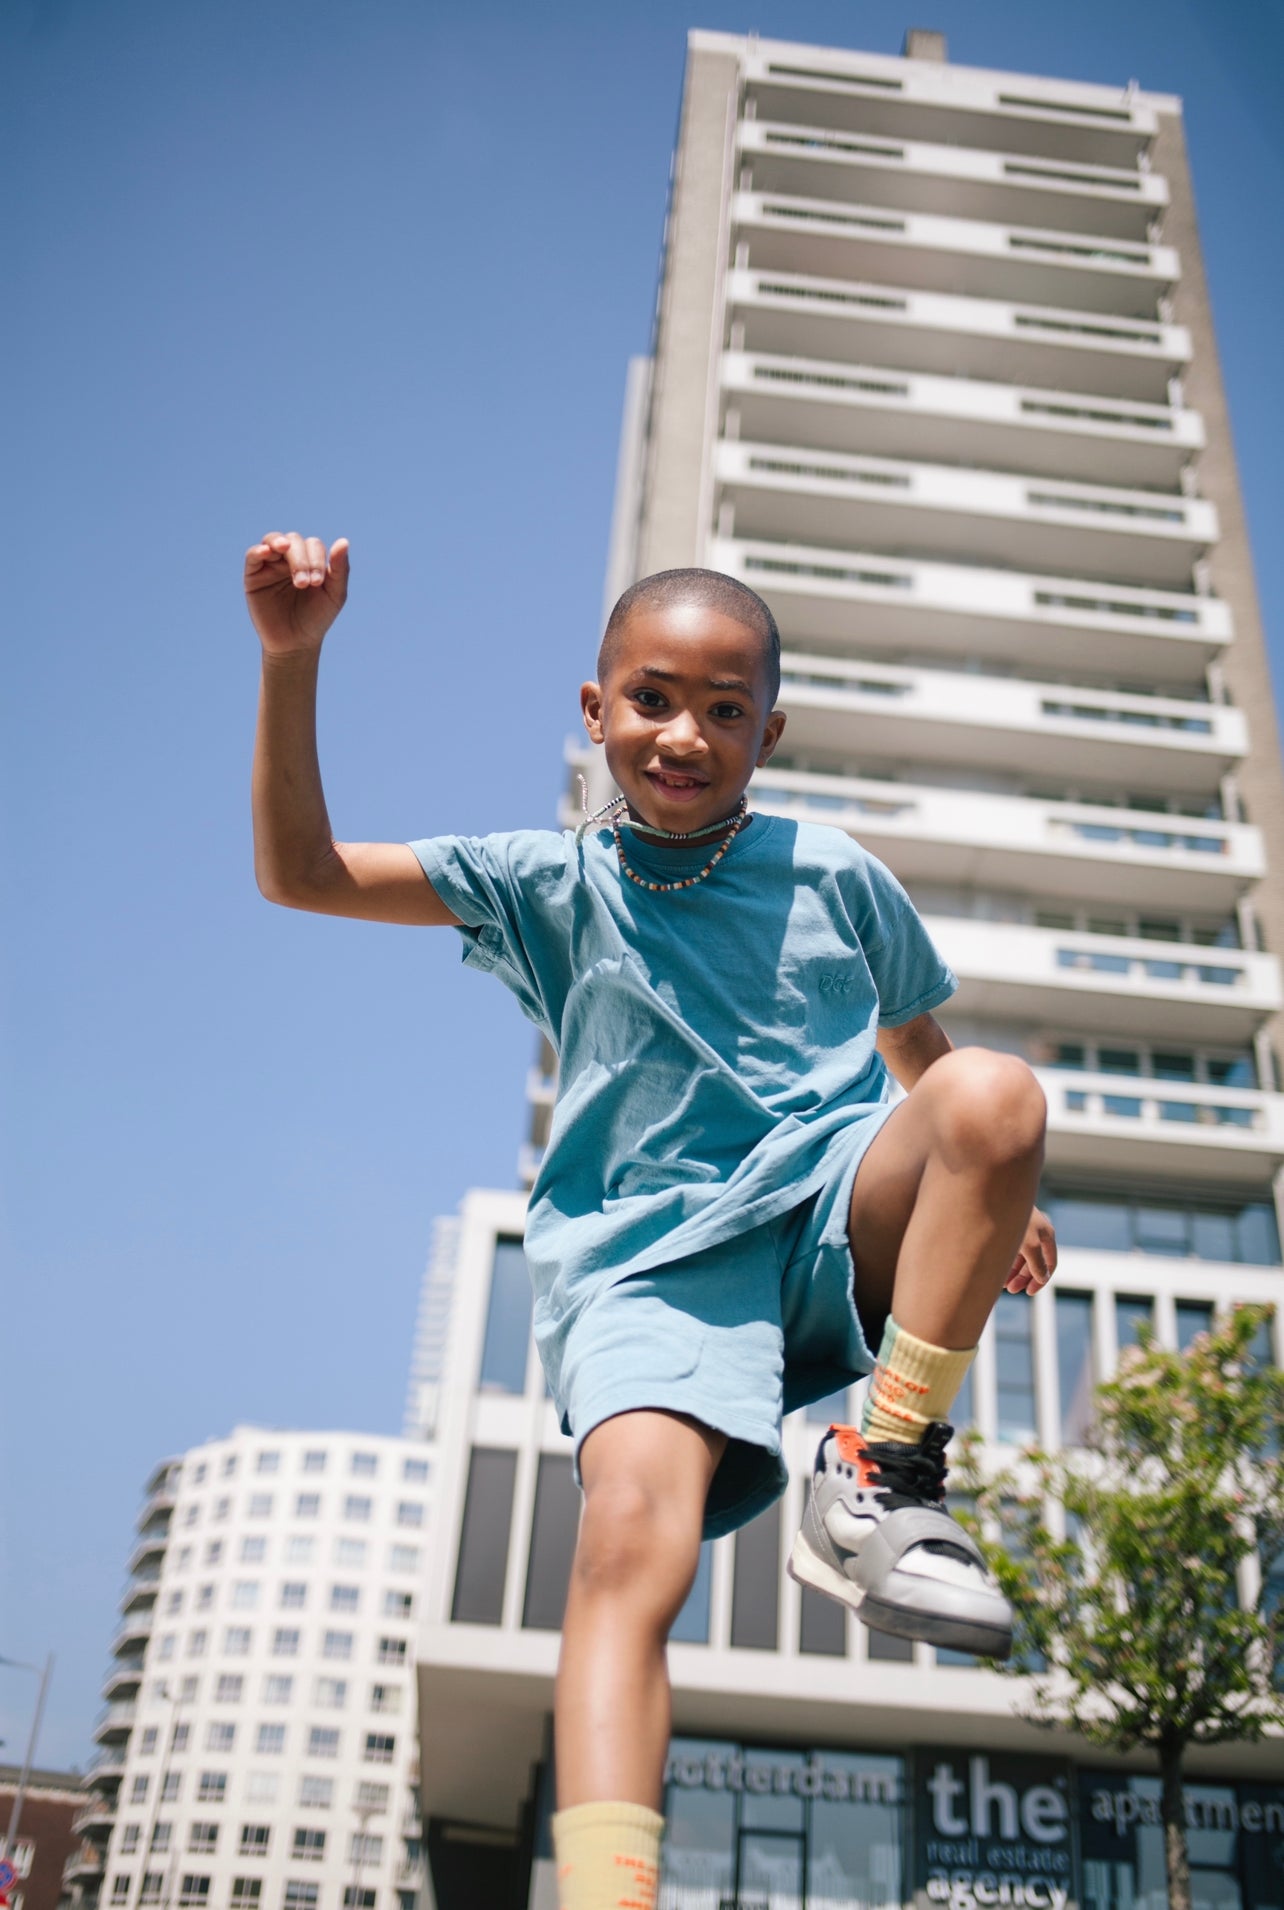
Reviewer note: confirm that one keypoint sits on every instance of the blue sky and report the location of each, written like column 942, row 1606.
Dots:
column 377, row 271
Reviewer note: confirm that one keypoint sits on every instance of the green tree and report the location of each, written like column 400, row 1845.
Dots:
column 1140, row 1569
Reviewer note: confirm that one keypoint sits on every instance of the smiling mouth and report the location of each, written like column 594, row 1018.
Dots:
column 675, row 783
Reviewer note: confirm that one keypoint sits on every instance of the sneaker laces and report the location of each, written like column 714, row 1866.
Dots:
column 912, row 1475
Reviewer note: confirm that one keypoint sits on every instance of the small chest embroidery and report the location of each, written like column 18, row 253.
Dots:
column 837, row 984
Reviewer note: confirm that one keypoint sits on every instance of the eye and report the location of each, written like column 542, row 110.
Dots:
column 648, row 699
column 725, row 712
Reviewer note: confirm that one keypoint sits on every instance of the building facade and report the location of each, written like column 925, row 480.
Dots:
column 257, row 1746
column 934, row 372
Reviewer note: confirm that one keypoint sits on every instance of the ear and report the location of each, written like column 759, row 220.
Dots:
column 591, row 710
column 771, row 736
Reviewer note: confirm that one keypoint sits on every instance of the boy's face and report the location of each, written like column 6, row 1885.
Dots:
column 684, row 714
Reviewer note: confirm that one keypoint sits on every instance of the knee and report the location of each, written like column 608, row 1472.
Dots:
column 633, row 1549
column 989, row 1106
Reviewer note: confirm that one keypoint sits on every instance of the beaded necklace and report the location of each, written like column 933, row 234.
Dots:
column 610, row 812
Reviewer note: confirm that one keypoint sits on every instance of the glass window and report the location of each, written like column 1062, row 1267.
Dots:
column 331, row 1693
column 316, row 1793
column 1069, row 1054
column 483, row 1540
column 150, row 1892
column 363, row 1848
column 245, row 1595
column 294, row 1595
column 270, row 1740
column 1193, row 1317
column 1238, row 1072
column 392, row 1651
column 246, row 1892
column 262, row 1787
column 253, row 1551
column 350, row 1551
column 307, row 1505
column 260, row 1505
column 149, row 1740
column 212, row 1787
column 415, row 1471
column 700, row 1833
column 963, row 1411
column 268, row 1462
column 255, row 1839
column 691, row 1626
column 236, row 1641
column 344, row 1598
column 822, row 1626
column 314, row 1462
column 365, row 1464
column 755, row 1585
column 357, row 1506
column 398, row 1604
column 1118, row 1061
column 220, row 1737
column 508, row 1322
column 337, row 1644
column 1132, row 1312
column 277, row 1689
column 1172, row 1067
column 371, row 1796
column 203, row 1837
column 323, row 1742
column 854, row 1850
column 1162, row 1230
column 403, row 1558
column 161, row 1836
column 308, row 1844
column 1082, row 1220
column 300, row 1896
column 194, row 1890
column 129, row 1839
column 554, row 1528
column 410, row 1512
column 1257, row 1236
column 1213, row 1236
column 379, row 1747
column 1075, row 1368
column 1016, row 1420
column 884, row 1646
column 285, row 1643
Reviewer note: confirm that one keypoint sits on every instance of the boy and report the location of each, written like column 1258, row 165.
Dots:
column 727, row 993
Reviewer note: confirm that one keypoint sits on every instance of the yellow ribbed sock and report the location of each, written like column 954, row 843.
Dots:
column 914, row 1383
column 608, row 1857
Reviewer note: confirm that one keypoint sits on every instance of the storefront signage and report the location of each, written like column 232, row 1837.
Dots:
column 730, row 1771
column 990, row 1830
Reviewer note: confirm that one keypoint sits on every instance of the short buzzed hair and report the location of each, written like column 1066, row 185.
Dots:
column 711, row 588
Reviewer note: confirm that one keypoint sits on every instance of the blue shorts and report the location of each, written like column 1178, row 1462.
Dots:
column 735, row 1336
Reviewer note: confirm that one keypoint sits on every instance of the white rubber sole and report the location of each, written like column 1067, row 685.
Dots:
column 952, row 1632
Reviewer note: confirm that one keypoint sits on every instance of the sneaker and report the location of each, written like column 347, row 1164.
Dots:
column 876, row 1536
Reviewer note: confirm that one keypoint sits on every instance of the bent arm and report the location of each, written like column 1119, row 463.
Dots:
column 294, row 593
column 910, row 1050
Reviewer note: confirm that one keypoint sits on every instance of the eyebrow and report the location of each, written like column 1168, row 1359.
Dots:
column 711, row 682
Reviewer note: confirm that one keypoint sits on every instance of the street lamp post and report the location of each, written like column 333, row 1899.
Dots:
column 15, row 1815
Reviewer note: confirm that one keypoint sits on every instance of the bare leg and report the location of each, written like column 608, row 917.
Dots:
column 943, row 1198
column 646, row 1477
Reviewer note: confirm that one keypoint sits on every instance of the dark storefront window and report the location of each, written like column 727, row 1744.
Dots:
column 1014, row 1369
column 1235, row 1834
column 1076, row 1369
column 554, row 1528
column 691, row 1626
column 508, row 1322
column 1239, row 1232
column 1193, row 1317
column 755, row 1584
column 822, row 1627
column 483, row 1541
column 1132, row 1312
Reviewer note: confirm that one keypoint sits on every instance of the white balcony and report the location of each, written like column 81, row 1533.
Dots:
column 897, row 327
column 84, row 1865
column 123, row 1678
column 963, row 182
column 824, row 404
column 1043, row 729
column 970, row 837
column 115, row 1722
column 149, row 1550
column 106, row 1767
column 958, row 106
column 931, row 253
column 1107, row 984
column 943, row 512
column 866, row 604
column 1135, row 1125
column 133, row 1634
column 95, row 1820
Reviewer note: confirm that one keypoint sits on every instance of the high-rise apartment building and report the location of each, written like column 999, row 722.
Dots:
column 257, row 1749
column 934, row 372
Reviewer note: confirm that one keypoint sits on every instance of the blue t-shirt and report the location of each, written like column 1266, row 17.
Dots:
column 713, row 1042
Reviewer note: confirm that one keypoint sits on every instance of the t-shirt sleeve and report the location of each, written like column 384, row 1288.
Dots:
column 493, row 884
column 909, row 973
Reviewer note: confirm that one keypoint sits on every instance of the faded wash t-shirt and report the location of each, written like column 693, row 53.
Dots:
column 716, row 1044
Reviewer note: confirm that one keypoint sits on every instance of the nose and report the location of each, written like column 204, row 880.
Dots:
column 682, row 735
